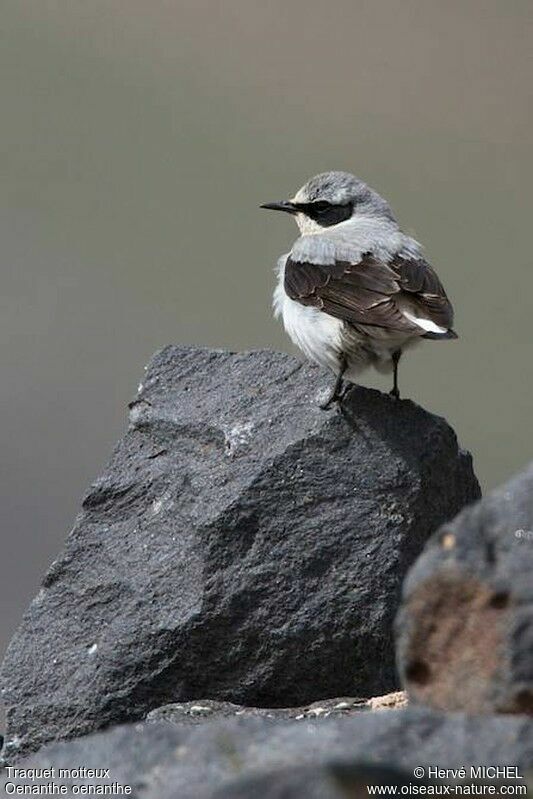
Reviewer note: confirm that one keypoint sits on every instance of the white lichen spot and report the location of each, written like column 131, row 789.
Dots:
column 317, row 711
column 342, row 706
column 40, row 596
column 200, row 710
column 237, row 436
column 161, row 502
column 135, row 413
column 92, row 649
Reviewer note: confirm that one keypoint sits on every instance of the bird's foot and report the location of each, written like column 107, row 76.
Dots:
column 336, row 397
column 394, row 392
column 331, row 400
column 338, row 390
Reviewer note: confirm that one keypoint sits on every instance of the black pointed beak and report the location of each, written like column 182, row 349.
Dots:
column 284, row 205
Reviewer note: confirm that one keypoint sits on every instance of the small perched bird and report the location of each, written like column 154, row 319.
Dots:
column 355, row 291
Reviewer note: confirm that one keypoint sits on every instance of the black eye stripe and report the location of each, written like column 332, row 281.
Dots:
column 321, row 205
column 327, row 214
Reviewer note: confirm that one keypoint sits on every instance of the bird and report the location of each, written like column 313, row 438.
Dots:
column 355, row 291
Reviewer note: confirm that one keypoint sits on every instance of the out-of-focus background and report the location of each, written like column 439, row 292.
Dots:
column 138, row 139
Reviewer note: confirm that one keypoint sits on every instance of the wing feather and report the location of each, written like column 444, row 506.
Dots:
column 371, row 293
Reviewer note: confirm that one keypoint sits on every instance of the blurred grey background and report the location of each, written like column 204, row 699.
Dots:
column 138, row 138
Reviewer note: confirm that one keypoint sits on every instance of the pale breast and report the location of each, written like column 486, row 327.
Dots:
column 318, row 335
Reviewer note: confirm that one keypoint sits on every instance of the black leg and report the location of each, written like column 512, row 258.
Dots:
column 337, row 393
column 396, row 355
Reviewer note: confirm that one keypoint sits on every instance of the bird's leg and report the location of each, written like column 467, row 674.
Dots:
column 337, row 393
column 396, row 355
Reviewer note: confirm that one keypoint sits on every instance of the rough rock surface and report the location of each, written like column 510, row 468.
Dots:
column 243, row 757
column 242, row 544
column 332, row 779
column 465, row 629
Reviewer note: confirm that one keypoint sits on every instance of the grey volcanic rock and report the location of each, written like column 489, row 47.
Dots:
column 332, row 779
column 242, row 545
column 465, row 630
column 239, row 758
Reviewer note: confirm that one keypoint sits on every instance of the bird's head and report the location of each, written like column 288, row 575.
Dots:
column 331, row 199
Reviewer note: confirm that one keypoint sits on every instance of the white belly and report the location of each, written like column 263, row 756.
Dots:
column 318, row 335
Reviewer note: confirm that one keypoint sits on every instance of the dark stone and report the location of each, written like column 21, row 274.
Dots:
column 465, row 629
column 249, row 758
column 242, row 544
column 332, row 779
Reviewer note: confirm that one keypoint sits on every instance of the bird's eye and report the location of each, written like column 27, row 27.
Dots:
column 327, row 214
column 321, row 207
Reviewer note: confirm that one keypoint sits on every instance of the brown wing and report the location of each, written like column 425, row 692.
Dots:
column 372, row 293
column 421, row 283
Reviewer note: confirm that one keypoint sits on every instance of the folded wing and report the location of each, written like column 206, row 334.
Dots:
column 403, row 296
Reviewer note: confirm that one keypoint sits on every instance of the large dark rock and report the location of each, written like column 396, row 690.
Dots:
column 465, row 630
column 252, row 757
column 242, row 545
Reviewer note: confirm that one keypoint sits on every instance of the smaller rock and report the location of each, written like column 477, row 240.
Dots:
column 465, row 626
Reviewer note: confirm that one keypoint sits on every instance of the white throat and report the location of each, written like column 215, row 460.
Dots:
column 346, row 229
column 308, row 227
